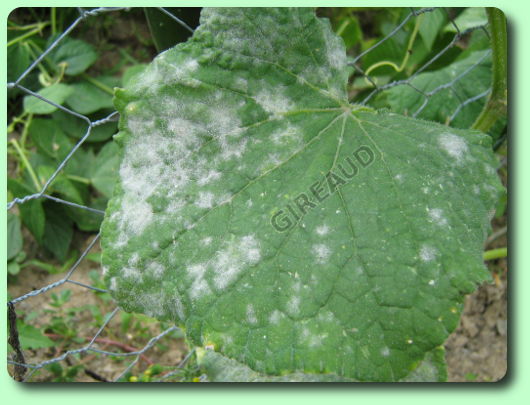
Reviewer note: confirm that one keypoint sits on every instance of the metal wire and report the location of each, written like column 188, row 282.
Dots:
column 86, row 14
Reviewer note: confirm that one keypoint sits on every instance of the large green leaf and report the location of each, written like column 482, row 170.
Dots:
column 280, row 225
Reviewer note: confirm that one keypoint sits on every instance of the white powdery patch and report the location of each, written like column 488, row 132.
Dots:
column 152, row 164
column 290, row 135
column 135, row 215
column 455, row 146
column 436, row 215
column 199, row 286
column 275, row 317
column 207, row 178
column 335, row 53
column 113, row 284
column 236, row 256
column 293, row 305
column 206, row 241
column 312, row 339
column 274, row 101
column 321, row 253
column 178, row 308
column 251, row 315
column 132, row 273
column 322, row 230
column 385, row 352
column 156, row 269
column 205, row 200
column 428, row 253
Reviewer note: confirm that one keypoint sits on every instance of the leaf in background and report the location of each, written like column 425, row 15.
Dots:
column 469, row 18
column 14, row 236
column 395, row 48
column 76, row 127
column 57, row 93
column 49, row 138
column 442, row 105
column 58, row 230
column 69, row 190
column 105, row 169
column 31, row 212
column 81, row 163
column 220, row 134
column 78, row 55
column 430, row 26
column 165, row 31
column 85, row 220
column 32, row 338
column 13, row 268
column 19, row 60
column 349, row 29
column 87, row 98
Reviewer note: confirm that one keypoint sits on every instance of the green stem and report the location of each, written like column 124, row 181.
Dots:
column 406, row 57
column 128, row 56
column 495, row 254
column 98, row 84
column 26, row 163
column 53, row 13
column 79, row 179
column 496, row 106
column 25, row 131
column 28, row 34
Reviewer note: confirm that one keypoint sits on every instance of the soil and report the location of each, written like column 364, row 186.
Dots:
column 169, row 354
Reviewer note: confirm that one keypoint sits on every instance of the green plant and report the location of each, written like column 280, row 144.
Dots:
column 41, row 135
column 295, row 233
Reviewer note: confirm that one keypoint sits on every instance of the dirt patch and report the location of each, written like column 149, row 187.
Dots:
column 477, row 350
column 168, row 353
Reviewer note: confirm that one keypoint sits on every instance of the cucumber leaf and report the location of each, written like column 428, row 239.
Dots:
column 280, row 225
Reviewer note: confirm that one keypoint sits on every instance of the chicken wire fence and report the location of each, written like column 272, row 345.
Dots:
column 19, row 364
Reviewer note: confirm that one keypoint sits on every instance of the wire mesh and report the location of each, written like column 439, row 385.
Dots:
column 24, row 370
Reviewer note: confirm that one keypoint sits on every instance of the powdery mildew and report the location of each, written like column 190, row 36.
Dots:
column 454, row 145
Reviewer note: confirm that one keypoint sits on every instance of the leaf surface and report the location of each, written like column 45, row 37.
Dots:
column 280, row 225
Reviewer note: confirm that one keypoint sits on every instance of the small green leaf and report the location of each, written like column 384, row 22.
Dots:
column 14, row 236
column 76, row 54
column 13, row 268
column 165, row 31
column 69, row 190
column 105, row 169
column 32, row 338
column 57, row 93
column 87, row 98
column 49, row 138
column 58, row 231
column 430, row 26
column 19, row 60
column 77, row 128
column 471, row 17
column 31, row 212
